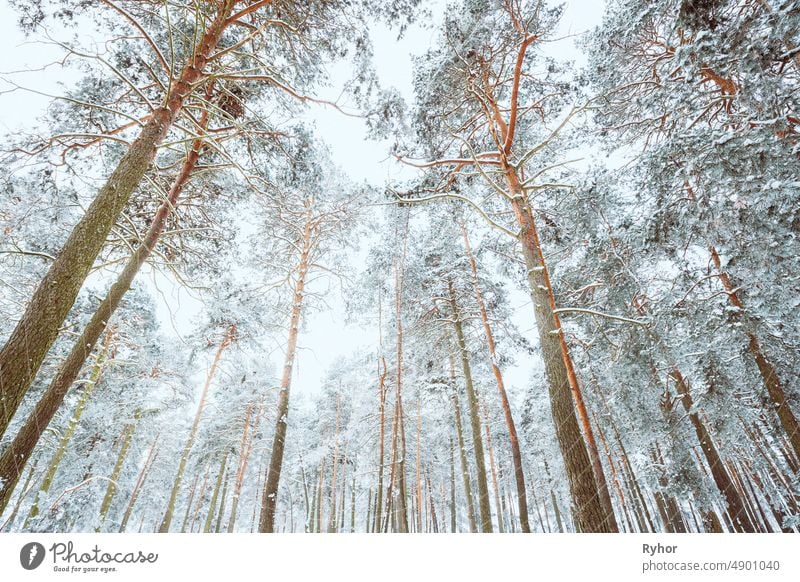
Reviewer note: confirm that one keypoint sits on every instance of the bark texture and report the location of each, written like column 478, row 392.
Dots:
column 37, row 329
column 588, row 488
column 14, row 458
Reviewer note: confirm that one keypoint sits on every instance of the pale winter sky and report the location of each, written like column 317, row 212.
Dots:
column 325, row 337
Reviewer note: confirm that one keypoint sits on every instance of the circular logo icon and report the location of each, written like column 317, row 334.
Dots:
column 31, row 555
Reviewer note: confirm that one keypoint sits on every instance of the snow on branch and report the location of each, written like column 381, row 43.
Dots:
column 451, row 196
column 642, row 322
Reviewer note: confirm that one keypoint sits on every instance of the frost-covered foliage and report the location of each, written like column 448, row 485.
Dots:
column 670, row 255
column 697, row 236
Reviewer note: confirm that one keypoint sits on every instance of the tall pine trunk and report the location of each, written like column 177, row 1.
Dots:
column 588, row 487
column 493, row 469
column 212, row 504
column 627, row 468
column 719, row 472
column 140, row 481
column 269, row 501
column 453, row 517
column 353, row 504
column 516, row 455
column 400, row 507
column 420, row 504
column 125, row 445
column 473, row 524
column 18, row 452
column 320, row 489
column 769, row 375
column 245, row 449
column 474, row 415
column 222, row 503
column 332, row 517
column 382, row 371
column 37, row 329
column 72, row 426
column 434, row 518
column 192, row 491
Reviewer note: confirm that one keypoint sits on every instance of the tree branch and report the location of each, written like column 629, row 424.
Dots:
column 245, row 11
column 512, row 120
column 146, row 36
column 446, row 196
column 642, row 322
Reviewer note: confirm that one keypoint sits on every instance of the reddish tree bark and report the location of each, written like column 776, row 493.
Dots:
column 37, row 329
column 270, row 498
column 13, row 459
column 516, row 455
column 769, row 375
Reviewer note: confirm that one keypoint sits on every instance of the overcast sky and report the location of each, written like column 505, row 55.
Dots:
column 325, row 337
column 361, row 159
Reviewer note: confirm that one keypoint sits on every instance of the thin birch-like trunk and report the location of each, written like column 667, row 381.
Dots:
column 166, row 521
column 88, row 388
column 474, row 415
column 127, row 438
